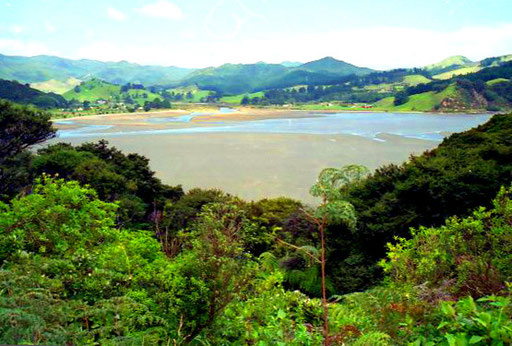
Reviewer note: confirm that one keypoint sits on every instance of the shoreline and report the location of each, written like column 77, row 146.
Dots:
column 257, row 111
column 254, row 166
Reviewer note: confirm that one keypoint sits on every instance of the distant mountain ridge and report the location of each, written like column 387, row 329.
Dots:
column 50, row 73
column 331, row 65
column 43, row 68
column 54, row 72
column 240, row 78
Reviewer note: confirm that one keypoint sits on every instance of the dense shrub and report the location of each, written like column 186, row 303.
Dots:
column 464, row 172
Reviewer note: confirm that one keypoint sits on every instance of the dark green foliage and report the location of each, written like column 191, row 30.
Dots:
column 465, row 171
column 20, row 128
column 23, row 94
column 472, row 256
column 401, row 98
column 115, row 176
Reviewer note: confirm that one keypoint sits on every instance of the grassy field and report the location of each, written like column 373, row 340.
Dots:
column 457, row 60
column 237, row 99
column 197, row 93
column 459, row 72
column 138, row 96
column 93, row 90
column 330, row 107
column 416, row 79
column 56, row 86
column 497, row 80
column 424, row 102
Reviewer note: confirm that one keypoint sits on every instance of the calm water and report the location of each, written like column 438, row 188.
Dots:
column 431, row 127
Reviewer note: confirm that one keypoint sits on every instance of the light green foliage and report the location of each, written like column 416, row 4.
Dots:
column 329, row 187
column 391, row 313
column 449, row 63
column 415, row 79
column 466, row 256
column 56, row 86
column 198, row 95
column 237, row 99
column 457, row 72
column 217, row 260
column 424, row 102
column 92, row 90
column 497, row 81
column 270, row 315
column 373, row 339
column 488, row 321
column 57, row 218
column 94, row 284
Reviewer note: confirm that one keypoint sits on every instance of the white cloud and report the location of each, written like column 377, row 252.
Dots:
column 115, row 14
column 378, row 47
column 24, row 48
column 162, row 9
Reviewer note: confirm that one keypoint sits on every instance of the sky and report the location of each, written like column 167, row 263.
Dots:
column 380, row 34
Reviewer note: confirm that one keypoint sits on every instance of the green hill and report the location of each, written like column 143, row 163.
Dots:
column 331, row 65
column 235, row 78
column 24, row 94
column 415, row 79
column 239, row 78
column 96, row 89
column 458, row 72
column 93, row 90
column 44, row 68
column 197, row 94
column 450, row 63
column 56, row 86
column 424, row 102
column 459, row 65
column 488, row 89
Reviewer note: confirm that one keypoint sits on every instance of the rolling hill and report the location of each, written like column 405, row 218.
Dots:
column 96, row 89
column 460, row 65
column 24, row 94
column 489, row 89
column 448, row 64
column 56, row 86
column 333, row 66
column 246, row 78
column 44, row 68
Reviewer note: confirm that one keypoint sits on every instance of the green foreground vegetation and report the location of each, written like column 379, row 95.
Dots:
column 94, row 250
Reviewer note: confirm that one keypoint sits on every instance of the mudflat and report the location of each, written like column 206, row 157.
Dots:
column 259, row 165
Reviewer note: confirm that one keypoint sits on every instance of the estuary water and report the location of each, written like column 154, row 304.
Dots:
column 257, row 157
column 432, row 127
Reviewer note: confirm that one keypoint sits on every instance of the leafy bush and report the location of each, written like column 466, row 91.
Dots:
column 469, row 256
column 488, row 321
column 466, row 171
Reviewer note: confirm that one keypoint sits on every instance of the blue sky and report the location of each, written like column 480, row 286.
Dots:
column 198, row 33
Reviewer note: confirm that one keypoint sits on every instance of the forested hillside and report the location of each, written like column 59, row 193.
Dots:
column 23, row 94
column 44, row 68
column 94, row 249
